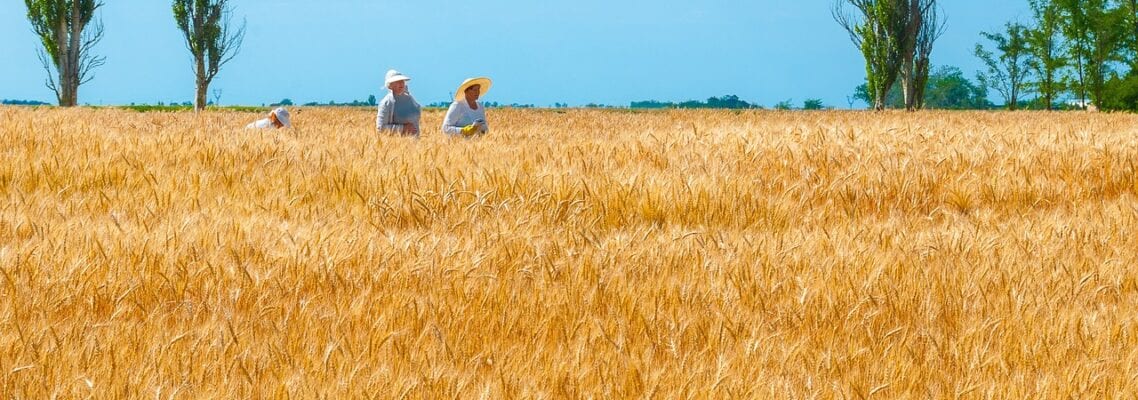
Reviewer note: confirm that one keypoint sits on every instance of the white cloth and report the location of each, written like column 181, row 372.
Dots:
column 261, row 124
column 461, row 115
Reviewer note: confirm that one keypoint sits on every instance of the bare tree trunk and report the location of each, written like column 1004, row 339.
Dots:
column 909, row 88
column 73, row 56
column 200, row 100
column 64, row 94
column 1080, row 70
column 922, row 80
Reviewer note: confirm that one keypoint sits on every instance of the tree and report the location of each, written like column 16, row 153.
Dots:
column 896, row 38
column 870, row 29
column 210, row 37
column 920, row 27
column 1132, row 15
column 62, row 26
column 1045, row 51
column 948, row 89
column 813, row 104
column 1008, row 71
column 1095, row 33
column 371, row 101
column 1110, row 33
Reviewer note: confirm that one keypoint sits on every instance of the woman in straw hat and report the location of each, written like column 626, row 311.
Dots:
column 398, row 112
column 466, row 117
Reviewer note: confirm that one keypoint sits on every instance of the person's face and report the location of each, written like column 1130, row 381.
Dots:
column 276, row 122
column 398, row 87
column 473, row 92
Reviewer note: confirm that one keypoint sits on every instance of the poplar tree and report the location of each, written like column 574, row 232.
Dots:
column 896, row 38
column 69, row 32
column 1046, row 51
column 211, row 39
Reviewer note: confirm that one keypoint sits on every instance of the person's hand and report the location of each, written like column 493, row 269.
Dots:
column 409, row 129
column 469, row 130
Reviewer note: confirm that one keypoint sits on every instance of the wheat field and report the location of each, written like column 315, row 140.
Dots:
column 569, row 254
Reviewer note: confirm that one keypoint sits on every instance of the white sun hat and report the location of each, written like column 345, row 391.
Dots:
column 484, row 82
column 395, row 76
column 282, row 116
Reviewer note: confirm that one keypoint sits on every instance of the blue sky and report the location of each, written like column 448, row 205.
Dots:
column 537, row 52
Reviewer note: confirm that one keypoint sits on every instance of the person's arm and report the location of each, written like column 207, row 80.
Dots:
column 450, row 123
column 485, row 121
column 385, row 119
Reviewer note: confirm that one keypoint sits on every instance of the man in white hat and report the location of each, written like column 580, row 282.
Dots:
column 466, row 117
column 398, row 111
column 278, row 118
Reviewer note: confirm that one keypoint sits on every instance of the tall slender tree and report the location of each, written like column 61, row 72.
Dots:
column 1008, row 68
column 69, row 32
column 1109, row 33
column 872, row 28
column 1076, row 31
column 932, row 27
column 1096, row 32
column 896, row 39
column 210, row 37
column 1132, row 16
column 1046, row 50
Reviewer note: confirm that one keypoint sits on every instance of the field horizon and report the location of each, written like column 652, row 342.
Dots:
column 575, row 253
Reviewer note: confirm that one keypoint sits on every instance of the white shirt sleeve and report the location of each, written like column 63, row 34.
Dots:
column 260, row 124
column 450, row 123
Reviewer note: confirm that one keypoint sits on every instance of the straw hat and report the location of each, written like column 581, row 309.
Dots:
column 481, row 81
column 395, row 76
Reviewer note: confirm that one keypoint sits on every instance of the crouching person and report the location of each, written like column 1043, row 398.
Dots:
column 277, row 119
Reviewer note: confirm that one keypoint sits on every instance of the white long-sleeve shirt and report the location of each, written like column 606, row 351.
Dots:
column 461, row 115
column 261, row 124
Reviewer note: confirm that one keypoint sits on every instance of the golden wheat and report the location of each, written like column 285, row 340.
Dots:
column 578, row 254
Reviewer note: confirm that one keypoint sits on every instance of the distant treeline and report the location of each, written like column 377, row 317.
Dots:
column 23, row 103
column 725, row 102
column 371, row 101
column 490, row 104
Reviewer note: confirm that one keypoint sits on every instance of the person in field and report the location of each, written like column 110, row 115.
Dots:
column 278, row 118
column 398, row 111
column 467, row 118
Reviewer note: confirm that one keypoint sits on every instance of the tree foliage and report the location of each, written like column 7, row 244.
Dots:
column 947, row 89
column 1094, row 31
column 1046, row 49
column 724, row 102
column 896, row 38
column 1008, row 68
column 69, row 32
